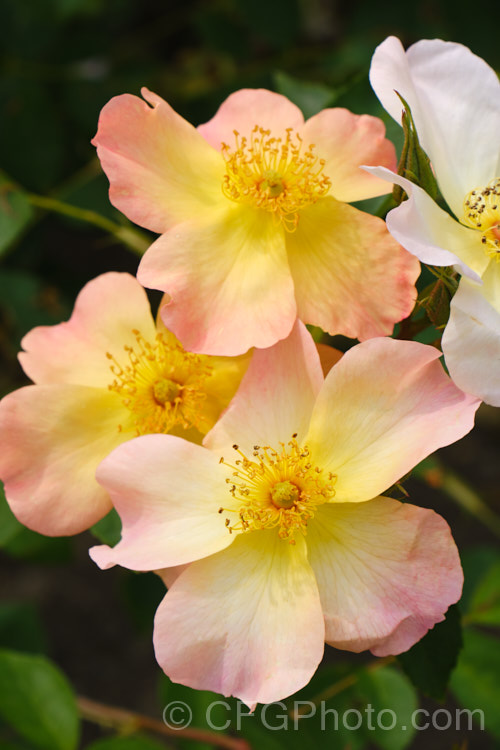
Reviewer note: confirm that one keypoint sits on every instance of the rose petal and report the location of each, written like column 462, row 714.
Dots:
column 275, row 399
column 350, row 276
column 471, row 340
column 383, row 408
column 53, row 438
column 455, row 101
column 167, row 493
column 431, row 234
column 386, row 571
column 245, row 109
column 228, row 279
column 345, row 141
column 106, row 311
column 161, row 171
column 245, row 622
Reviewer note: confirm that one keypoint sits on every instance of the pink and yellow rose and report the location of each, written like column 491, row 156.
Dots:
column 108, row 374
column 277, row 528
column 252, row 208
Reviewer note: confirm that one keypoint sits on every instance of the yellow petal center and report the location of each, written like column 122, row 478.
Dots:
column 276, row 174
column 161, row 384
column 482, row 212
column 276, row 489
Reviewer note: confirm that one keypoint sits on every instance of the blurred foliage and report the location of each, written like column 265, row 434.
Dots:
column 61, row 61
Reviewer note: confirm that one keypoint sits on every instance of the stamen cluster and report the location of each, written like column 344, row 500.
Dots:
column 482, row 211
column 276, row 489
column 162, row 385
column 273, row 174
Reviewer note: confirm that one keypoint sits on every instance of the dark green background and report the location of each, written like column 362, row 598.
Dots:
column 61, row 60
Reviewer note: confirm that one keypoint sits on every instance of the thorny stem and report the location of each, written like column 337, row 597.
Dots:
column 129, row 721
column 129, row 236
column 341, row 685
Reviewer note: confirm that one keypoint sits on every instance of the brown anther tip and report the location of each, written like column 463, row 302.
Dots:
column 221, row 460
column 294, row 434
column 109, row 356
column 221, row 510
column 236, row 447
column 256, row 447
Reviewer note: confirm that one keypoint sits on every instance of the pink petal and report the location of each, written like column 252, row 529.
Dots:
column 350, row 275
column 386, row 571
column 161, row 171
column 53, row 438
column 246, row 108
column 383, row 408
column 276, row 396
column 245, row 622
column 228, row 279
column 105, row 312
column 346, row 141
column 167, row 492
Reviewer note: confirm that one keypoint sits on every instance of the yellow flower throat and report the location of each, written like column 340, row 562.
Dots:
column 161, row 384
column 482, row 211
column 276, row 489
column 274, row 174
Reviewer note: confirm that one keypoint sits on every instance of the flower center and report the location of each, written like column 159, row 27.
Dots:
column 274, row 174
column 285, row 494
column 161, row 384
column 276, row 489
column 482, row 211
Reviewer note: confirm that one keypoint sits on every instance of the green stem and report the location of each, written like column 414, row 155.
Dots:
column 449, row 281
column 125, row 721
column 442, row 478
column 467, row 498
column 129, row 236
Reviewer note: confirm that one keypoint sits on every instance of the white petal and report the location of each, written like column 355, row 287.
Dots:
column 431, row 234
column 471, row 341
column 455, row 101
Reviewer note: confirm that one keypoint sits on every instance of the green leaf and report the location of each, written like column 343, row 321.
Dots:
column 475, row 681
column 15, row 212
column 109, row 529
column 431, row 661
column 393, row 700
column 132, row 742
column 9, row 525
column 37, row 701
column 28, row 545
column 476, row 563
column 484, row 607
column 311, row 98
column 21, row 628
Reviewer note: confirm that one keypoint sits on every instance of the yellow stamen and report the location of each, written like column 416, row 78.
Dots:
column 162, row 385
column 276, row 489
column 482, row 212
column 274, row 174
